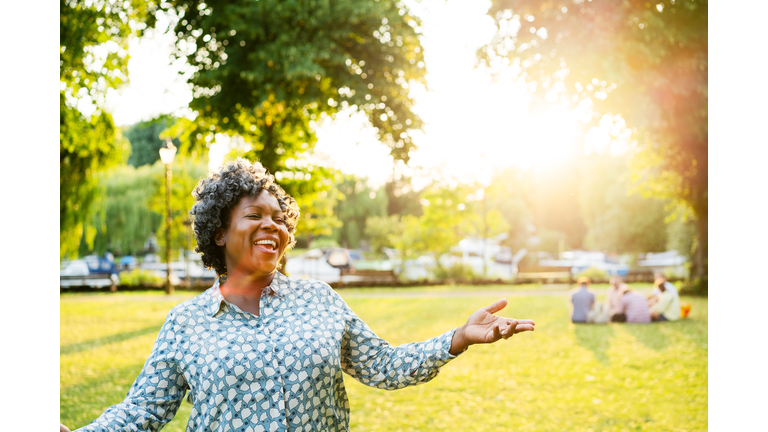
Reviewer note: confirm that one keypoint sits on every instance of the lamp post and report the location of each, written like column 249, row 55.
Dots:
column 167, row 153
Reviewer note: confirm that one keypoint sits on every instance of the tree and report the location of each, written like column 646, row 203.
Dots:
column 616, row 220
column 145, row 140
column 86, row 146
column 93, row 41
column 383, row 231
column 265, row 69
column 448, row 216
column 133, row 206
column 123, row 220
column 358, row 205
column 647, row 61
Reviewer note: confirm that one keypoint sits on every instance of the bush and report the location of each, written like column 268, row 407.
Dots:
column 696, row 287
column 456, row 273
column 137, row 277
column 594, row 274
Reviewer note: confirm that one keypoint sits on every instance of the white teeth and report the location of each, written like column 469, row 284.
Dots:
column 269, row 242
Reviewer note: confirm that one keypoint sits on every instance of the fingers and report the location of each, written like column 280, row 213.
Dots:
column 499, row 305
column 497, row 332
column 509, row 329
column 513, row 326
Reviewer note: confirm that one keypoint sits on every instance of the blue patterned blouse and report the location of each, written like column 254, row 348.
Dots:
column 278, row 371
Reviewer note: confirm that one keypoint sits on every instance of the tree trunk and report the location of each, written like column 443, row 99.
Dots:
column 700, row 257
column 269, row 157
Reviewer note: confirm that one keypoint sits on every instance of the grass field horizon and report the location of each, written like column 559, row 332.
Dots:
column 560, row 377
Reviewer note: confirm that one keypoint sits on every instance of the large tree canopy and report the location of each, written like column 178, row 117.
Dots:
column 644, row 60
column 265, row 69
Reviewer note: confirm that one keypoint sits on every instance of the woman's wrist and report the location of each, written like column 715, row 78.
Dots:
column 459, row 342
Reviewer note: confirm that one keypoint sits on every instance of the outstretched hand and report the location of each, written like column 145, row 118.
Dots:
column 485, row 327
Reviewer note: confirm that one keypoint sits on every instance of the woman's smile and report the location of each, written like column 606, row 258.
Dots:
column 267, row 246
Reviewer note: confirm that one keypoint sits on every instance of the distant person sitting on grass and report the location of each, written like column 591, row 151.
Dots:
column 656, row 294
column 614, row 294
column 582, row 301
column 633, row 308
column 667, row 308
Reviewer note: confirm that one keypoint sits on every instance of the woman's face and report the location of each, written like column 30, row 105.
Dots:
column 256, row 237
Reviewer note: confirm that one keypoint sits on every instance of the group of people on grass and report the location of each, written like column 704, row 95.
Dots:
column 626, row 305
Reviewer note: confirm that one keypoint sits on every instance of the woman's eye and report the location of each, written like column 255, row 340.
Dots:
column 257, row 216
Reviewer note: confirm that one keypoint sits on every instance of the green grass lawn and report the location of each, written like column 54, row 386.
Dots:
column 562, row 377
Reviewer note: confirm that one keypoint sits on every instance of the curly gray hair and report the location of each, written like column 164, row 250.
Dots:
column 216, row 196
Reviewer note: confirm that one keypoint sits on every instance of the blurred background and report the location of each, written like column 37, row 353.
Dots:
column 424, row 140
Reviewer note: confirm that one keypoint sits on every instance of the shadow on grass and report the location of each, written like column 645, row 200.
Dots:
column 650, row 335
column 596, row 338
column 98, row 342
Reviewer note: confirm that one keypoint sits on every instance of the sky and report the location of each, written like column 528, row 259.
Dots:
column 473, row 125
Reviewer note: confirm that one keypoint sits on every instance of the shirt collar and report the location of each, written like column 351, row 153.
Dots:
column 279, row 286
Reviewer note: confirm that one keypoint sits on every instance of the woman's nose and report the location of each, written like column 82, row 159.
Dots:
column 268, row 223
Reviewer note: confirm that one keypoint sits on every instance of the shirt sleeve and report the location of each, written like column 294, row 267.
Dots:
column 375, row 363
column 156, row 394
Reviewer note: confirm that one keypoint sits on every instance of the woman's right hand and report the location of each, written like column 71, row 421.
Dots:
column 63, row 428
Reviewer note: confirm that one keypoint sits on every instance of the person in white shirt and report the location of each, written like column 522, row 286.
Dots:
column 660, row 279
column 667, row 308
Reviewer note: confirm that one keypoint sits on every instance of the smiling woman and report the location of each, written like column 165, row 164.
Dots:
column 261, row 351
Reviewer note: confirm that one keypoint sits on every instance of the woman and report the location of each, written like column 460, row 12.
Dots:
column 260, row 351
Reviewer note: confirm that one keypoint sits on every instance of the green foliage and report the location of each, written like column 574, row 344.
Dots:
column 265, row 69
column 402, row 199
column 86, row 146
column 508, row 193
column 186, row 172
column 594, row 274
column 442, row 224
column 145, row 140
column 647, row 61
column 133, row 207
column 458, row 272
column 358, row 205
column 382, row 231
column 681, row 236
column 312, row 188
column 139, row 277
column 596, row 375
column 695, row 287
column 123, row 219
column 93, row 42
column 617, row 221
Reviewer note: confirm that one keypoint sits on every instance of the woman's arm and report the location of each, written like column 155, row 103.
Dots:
column 374, row 362
column 156, row 394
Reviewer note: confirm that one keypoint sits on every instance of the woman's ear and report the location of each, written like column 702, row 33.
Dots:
column 220, row 238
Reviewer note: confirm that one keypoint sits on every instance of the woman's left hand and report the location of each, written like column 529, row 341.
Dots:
column 485, row 327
